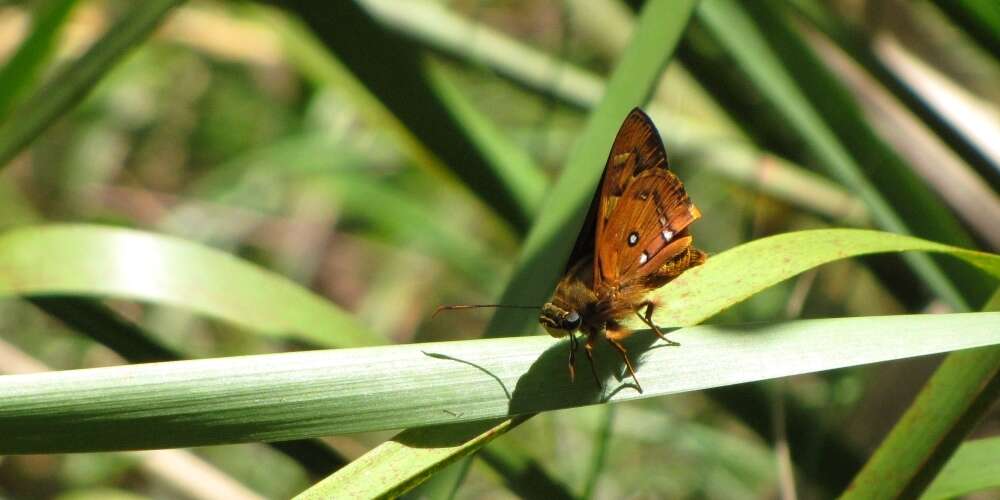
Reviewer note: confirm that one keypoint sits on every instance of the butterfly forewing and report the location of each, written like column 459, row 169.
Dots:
column 637, row 147
column 643, row 210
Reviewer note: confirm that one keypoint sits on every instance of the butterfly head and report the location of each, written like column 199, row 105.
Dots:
column 557, row 321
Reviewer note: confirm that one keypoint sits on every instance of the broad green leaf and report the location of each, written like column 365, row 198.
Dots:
column 72, row 84
column 326, row 392
column 98, row 261
column 974, row 467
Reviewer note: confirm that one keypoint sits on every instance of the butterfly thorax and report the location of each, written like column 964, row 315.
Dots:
column 576, row 305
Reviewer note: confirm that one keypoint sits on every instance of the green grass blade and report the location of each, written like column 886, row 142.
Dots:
column 711, row 145
column 336, row 174
column 380, row 205
column 961, row 390
column 602, row 441
column 104, row 325
column 521, row 474
column 327, row 392
column 979, row 18
column 974, row 467
column 121, row 263
column 73, row 83
column 718, row 274
column 910, row 82
column 22, row 69
column 948, row 407
column 135, row 344
column 734, row 275
column 508, row 161
column 375, row 481
column 544, row 253
column 394, row 71
column 799, row 88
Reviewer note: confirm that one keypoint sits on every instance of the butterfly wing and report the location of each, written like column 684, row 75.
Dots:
column 644, row 212
column 636, row 135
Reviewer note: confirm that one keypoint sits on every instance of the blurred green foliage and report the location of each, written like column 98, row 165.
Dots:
column 393, row 156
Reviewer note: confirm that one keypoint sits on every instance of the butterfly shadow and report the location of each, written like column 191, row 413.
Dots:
column 490, row 374
column 547, row 384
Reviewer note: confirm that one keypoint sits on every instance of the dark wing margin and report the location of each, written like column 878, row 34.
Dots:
column 636, row 147
column 584, row 246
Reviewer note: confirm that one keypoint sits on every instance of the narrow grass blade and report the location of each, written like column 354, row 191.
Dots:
column 712, row 148
column 394, row 72
column 957, row 116
column 964, row 119
column 73, row 83
column 521, row 474
column 22, row 69
column 316, row 393
column 734, row 275
column 720, row 284
column 375, row 481
column 602, row 441
column 979, row 18
column 953, row 181
column 436, row 26
column 961, row 391
column 333, row 173
column 974, row 467
column 100, row 261
column 508, row 161
column 544, row 253
column 767, row 49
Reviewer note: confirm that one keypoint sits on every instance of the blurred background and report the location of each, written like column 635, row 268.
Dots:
column 390, row 156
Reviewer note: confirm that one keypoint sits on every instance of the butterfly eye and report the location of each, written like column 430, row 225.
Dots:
column 633, row 238
column 572, row 321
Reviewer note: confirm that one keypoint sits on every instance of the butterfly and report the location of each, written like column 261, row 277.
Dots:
column 635, row 239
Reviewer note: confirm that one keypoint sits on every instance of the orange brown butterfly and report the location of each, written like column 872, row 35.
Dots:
column 635, row 239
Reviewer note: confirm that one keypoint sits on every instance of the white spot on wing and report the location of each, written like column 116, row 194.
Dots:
column 643, row 258
column 667, row 235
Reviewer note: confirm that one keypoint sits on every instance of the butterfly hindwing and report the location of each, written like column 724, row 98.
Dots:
column 648, row 227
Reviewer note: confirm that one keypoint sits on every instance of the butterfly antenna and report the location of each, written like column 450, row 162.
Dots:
column 478, row 306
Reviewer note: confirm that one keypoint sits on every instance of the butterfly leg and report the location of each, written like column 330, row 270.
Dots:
column 573, row 344
column 647, row 318
column 589, row 348
column 614, row 336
